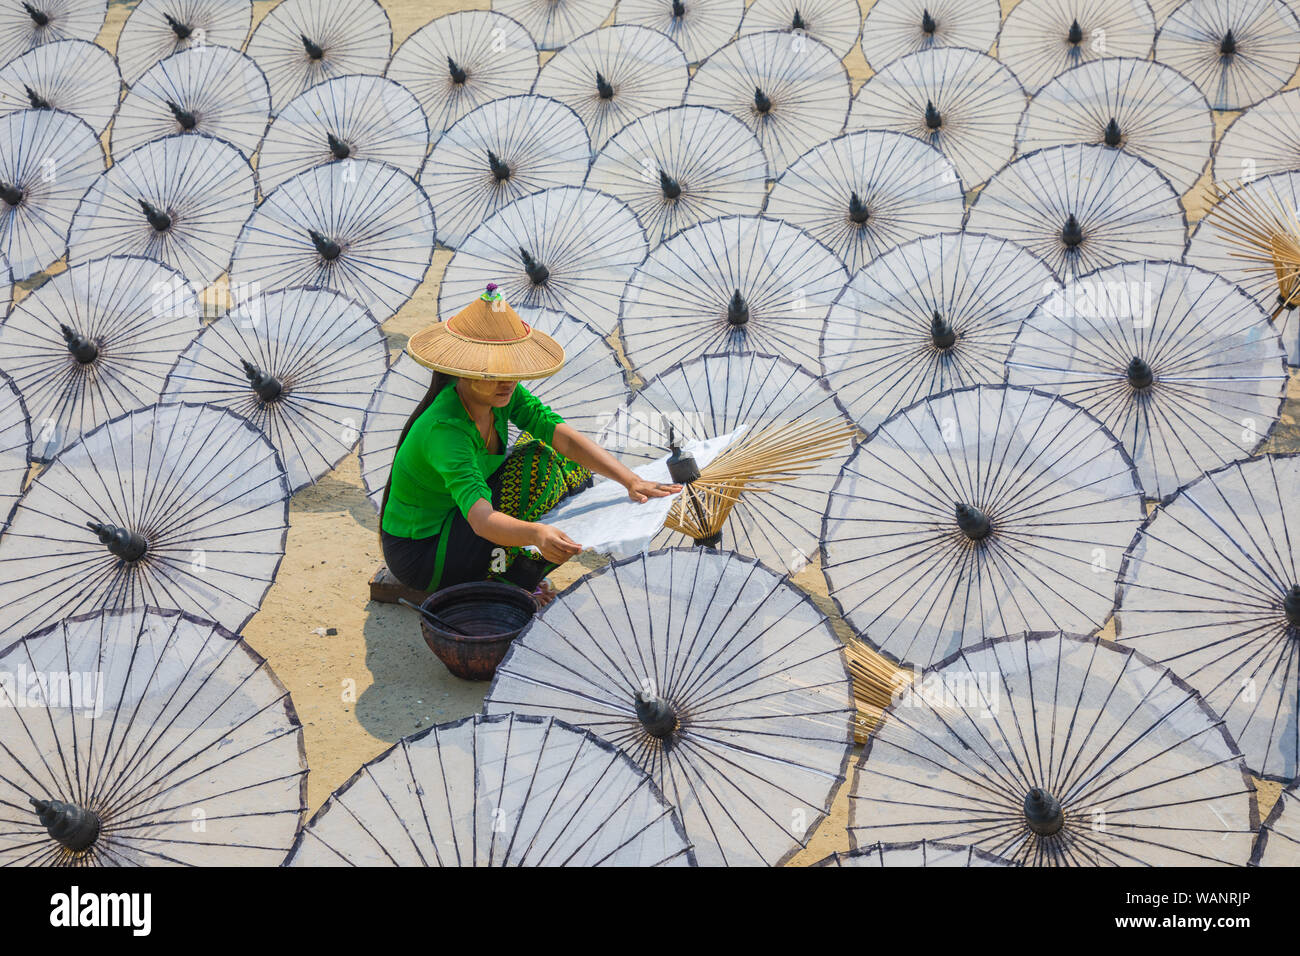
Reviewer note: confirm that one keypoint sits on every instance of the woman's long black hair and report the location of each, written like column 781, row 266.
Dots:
column 440, row 381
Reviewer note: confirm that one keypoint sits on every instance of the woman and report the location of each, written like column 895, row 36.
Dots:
column 457, row 508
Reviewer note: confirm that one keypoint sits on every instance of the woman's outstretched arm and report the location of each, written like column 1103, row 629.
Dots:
column 575, row 446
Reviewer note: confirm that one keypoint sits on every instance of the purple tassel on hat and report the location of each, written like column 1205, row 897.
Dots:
column 491, row 295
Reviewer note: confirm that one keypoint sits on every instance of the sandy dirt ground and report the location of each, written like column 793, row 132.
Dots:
column 360, row 690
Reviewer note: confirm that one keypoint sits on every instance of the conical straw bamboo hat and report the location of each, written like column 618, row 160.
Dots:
column 487, row 340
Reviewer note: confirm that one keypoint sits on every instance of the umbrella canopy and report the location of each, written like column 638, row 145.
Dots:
column 507, row 790
column 27, row 25
column 700, row 28
column 566, row 249
column 554, row 23
column 1083, row 207
column 351, row 118
column 171, row 506
column 1056, row 749
column 361, row 228
column 614, row 75
column 304, row 42
column 937, row 313
column 716, row 395
column 158, row 29
column 1042, row 38
column 95, row 342
column 1209, row 588
column 736, row 284
column 1268, row 279
column 895, row 28
column 833, row 22
column 965, row 103
column 70, row 75
column 1144, row 108
column 214, row 90
column 181, row 200
column 792, row 91
column 500, row 152
column 15, row 445
column 921, row 853
column 1236, row 51
column 168, row 742
column 680, row 166
column 462, row 60
column 300, row 364
column 978, row 512
column 717, row 676
column 36, row 204
column 1279, row 838
column 863, row 193
column 1263, row 140
column 1179, row 364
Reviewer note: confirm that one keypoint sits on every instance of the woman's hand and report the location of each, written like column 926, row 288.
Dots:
column 641, row 490
column 556, row 546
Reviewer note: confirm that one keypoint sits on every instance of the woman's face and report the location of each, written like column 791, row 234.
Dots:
column 496, row 394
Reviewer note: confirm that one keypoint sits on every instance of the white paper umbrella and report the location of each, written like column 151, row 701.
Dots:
column 1056, row 750
column 718, row 677
column 1213, row 248
column 172, row 506
column 27, row 24
column 863, row 193
column 47, row 161
column 1279, row 837
column 937, row 313
column 95, row 342
column 70, row 75
column 1263, row 140
column 15, row 445
column 978, row 512
column 834, row 22
column 1179, row 364
column 462, row 60
column 1209, row 588
column 1080, row 208
column 507, row 790
column 567, row 249
column 895, row 28
column 361, row 228
column 614, row 75
column 350, row 118
column 791, row 90
column 300, row 364
column 700, row 27
column 736, row 284
column 1236, row 51
column 720, row 394
column 168, row 742
column 500, row 152
column 211, row 90
column 921, row 853
column 554, row 23
column 181, row 200
column 680, row 166
column 585, row 393
column 965, row 103
column 304, row 42
column 1042, row 38
column 157, row 29
column 1144, row 108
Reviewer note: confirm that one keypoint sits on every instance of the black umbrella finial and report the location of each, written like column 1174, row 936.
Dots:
column 1139, row 374
column 83, row 349
column 798, row 22
column 973, row 523
column 314, row 50
column 671, row 187
column 267, row 386
column 329, row 249
column 858, row 211
column 928, row 26
column 679, row 9
column 681, row 468
column 737, row 309
column 12, row 195
column 458, row 74
column 127, row 545
column 1043, row 812
column 157, row 218
column 500, row 170
column 69, row 825
column 942, row 334
column 1075, row 35
column 1071, row 232
column 656, row 715
column 537, row 273
column 933, row 118
column 603, row 89
column 1228, row 45
column 762, row 102
column 183, row 116
column 1112, row 137
column 38, row 102
column 1291, row 605
column 181, row 30
column 338, row 148
column 40, row 18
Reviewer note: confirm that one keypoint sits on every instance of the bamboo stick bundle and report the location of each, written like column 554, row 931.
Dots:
column 875, row 682
column 1266, row 234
